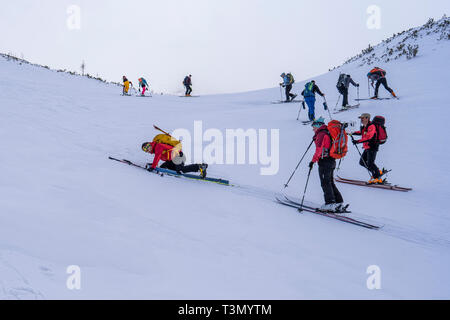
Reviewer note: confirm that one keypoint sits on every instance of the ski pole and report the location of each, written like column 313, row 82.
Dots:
column 358, row 92
column 302, row 105
column 306, row 187
column 296, row 168
column 360, row 154
column 368, row 86
column 154, row 126
column 281, row 94
column 339, row 99
column 325, row 105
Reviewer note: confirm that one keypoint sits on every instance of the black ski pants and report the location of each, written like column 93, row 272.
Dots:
column 289, row 95
column 326, row 174
column 344, row 97
column 188, row 90
column 368, row 161
column 382, row 81
column 181, row 167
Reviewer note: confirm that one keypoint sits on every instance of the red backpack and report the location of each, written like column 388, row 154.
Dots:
column 381, row 71
column 339, row 139
column 379, row 123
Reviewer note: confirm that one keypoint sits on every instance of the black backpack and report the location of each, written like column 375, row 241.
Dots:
column 341, row 82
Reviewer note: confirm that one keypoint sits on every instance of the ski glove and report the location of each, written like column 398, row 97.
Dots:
column 311, row 165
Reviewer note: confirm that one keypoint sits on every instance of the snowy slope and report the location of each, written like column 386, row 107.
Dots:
column 136, row 235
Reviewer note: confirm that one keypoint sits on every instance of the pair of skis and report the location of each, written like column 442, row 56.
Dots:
column 290, row 101
column 336, row 216
column 375, row 99
column 161, row 172
column 386, row 186
column 343, row 109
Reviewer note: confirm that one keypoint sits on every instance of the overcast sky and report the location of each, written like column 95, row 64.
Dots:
column 228, row 46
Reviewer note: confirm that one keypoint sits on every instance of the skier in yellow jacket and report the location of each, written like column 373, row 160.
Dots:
column 126, row 85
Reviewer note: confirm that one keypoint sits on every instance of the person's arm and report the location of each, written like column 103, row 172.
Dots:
column 353, row 82
column 316, row 89
column 321, row 143
column 158, row 154
column 371, row 132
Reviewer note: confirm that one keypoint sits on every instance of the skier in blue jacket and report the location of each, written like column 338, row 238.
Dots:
column 288, row 81
column 144, row 85
column 310, row 97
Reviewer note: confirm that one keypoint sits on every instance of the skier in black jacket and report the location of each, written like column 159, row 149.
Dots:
column 343, row 86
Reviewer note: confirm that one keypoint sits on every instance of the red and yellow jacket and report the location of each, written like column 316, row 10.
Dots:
column 162, row 152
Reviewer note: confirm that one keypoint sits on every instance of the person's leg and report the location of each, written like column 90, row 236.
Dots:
column 377, row 87
column 288, row 92
column 189, row 168
column 371, row 157
column 363, row 160
column 190, row 90
column 326, row 174
column 385, row 85
column 337, row 195
column 169, row 165
column 311, row 101
column 344, row 97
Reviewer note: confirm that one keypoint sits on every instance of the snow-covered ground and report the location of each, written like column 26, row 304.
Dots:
column 137, row 235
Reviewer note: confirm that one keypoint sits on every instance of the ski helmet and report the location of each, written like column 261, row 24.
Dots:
column 318, row 122
column 147, row 147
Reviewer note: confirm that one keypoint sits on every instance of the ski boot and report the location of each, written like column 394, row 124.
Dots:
column 341, row 208
column 329, row 208
column 293, row 97
column 376, row 181
column 202, row 168
column 394, row 95
column 374, row 98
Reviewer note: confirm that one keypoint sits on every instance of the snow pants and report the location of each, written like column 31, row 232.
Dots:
column 383, row 82
column 289, row 95
column 188, row 90
column 311, row 102
column 181, row 167
column 326, row 174
column 344, row 97
column 368, row 158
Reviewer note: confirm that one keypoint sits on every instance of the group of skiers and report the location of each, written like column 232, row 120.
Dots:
column 373, row 134
column 143, row 85
column 376, row 76
column 330, row 140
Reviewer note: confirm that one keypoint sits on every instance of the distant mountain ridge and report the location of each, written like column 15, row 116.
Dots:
column 407, row 44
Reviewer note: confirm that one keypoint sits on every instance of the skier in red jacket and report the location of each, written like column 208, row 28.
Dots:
column 368, row 132
column 327, row 165
column 173, row 159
